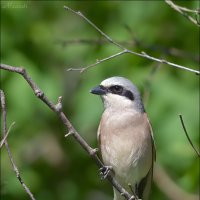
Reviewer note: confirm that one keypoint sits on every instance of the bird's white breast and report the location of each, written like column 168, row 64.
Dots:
column 125, row 144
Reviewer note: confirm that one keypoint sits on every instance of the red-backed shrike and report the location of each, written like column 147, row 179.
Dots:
column 125, row 136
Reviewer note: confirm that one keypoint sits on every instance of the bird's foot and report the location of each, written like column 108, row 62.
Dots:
column 104, row 171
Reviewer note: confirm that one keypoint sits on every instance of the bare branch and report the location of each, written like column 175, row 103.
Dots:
column 5, row 137
column 57, row 109
column 143, row 54
column 183, row 10
column 185, row 131
column 124, row 50
column 3, row 105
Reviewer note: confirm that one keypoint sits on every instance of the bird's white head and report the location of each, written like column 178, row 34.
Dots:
column 119, row 92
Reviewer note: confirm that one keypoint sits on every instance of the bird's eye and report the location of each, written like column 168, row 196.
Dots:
column 116, row 89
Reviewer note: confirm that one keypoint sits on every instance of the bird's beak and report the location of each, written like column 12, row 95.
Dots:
column 99, row 90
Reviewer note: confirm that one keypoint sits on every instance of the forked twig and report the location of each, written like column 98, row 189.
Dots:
column 183, row 11
column 124, row 50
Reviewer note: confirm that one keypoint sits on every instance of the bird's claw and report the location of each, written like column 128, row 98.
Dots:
column 104, row 171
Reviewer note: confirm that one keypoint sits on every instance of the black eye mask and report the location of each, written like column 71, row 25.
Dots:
column 119, row 90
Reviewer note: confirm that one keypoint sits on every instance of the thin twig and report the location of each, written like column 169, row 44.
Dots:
column 183, row 11
column 124, row 50
column 3, row 105
column 185, row 131
column 143, row 54
column 182, row 8
column 58, row 110
column 93, row 25
column 5, row 137
column 97, row 62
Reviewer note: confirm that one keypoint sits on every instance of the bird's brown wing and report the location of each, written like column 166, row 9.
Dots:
column 144, row 186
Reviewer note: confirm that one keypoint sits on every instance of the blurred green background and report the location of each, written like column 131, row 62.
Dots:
column 45, row 39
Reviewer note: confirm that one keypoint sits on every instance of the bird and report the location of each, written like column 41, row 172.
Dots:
column 125, row 137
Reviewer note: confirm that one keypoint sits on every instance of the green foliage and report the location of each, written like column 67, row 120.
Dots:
column 36, row 36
